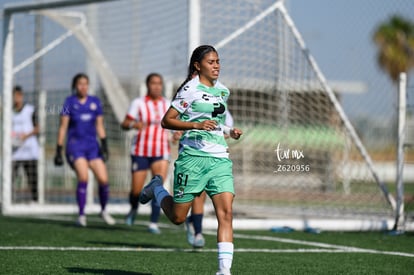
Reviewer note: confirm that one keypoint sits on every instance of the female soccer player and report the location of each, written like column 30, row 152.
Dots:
column 150, row 147
column 82, row 119
column 194, row 222
column 203, row 164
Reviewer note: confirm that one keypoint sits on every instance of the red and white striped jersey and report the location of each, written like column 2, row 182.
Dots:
column 152, row 139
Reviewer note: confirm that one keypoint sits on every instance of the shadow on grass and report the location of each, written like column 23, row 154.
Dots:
column 67, row 223
column 100, row 227
column 81, row 270
column 137, row 245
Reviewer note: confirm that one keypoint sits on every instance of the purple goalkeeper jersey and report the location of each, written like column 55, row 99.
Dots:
column 82, row 123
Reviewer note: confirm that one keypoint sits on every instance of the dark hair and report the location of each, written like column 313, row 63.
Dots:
column 17, row 89
column 75, row 80
column 150, row 76
column 197, row 55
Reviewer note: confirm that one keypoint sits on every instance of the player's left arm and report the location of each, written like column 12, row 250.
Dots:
column 235, row 133
column 100, row 129
column 228, row 128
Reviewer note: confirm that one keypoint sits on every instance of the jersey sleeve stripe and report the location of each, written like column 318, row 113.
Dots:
column 128, row 116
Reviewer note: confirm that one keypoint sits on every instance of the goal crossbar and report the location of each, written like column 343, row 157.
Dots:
column 25, row 7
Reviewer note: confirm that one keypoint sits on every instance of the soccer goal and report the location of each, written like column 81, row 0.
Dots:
column 299, row 159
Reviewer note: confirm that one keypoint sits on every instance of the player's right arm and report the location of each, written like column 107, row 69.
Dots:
column 180, row 104
column 131, row 120
column 172, row 122
column 64, row 122
column 130, row 123
column 63, row 127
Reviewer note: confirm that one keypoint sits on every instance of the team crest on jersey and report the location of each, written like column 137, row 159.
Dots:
column 183, row 103
column 93, row 106
column 180, row 192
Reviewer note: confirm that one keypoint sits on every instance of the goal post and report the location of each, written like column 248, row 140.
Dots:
column 299, row 158
column 401, row 143
column 7, row 112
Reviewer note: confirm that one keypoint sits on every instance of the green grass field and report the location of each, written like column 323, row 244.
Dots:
column 54, row 245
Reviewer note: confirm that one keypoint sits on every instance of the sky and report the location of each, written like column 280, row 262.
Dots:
column 339, row 35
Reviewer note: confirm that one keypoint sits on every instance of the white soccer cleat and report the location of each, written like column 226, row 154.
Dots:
column 154, row 229
column 199, row 241
column 107, row 218
column 223, row 272
column 190, row 232
column 81, row 221
column 147, row 193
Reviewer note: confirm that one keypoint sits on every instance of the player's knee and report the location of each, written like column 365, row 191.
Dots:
column 178, row 220
column 226, row 215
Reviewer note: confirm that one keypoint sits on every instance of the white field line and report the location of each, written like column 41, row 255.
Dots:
column 339, row 248
column 144, row 249
column 327, row 248
column 237, row 250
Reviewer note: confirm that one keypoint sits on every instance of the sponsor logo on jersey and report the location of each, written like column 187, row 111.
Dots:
column 183, row 103
column 86, row 117
column 207, row 97
column 93, row 106
column 180, row 193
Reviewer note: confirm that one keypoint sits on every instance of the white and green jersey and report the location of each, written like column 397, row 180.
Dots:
column 197, row 102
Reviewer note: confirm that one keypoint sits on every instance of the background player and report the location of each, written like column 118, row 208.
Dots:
column 150, row 147
column 203, row 164
column 82, row 119
column 25, row 144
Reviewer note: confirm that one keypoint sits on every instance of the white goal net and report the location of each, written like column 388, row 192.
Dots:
column 299, row 156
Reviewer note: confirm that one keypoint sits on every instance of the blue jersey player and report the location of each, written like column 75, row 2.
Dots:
column 82, row 120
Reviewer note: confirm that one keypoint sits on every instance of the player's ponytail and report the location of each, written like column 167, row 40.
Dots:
column 189, row 77
column 197, row 55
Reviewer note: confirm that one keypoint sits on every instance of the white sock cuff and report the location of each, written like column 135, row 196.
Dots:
column 225, row 246
column 225, row 250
